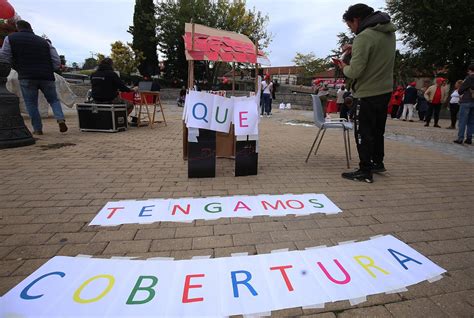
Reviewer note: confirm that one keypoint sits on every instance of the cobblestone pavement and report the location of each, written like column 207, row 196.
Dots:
column 51, row 191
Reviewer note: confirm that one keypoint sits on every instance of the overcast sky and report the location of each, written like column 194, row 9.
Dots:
column 79, row 28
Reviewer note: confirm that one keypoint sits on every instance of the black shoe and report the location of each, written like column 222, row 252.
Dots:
column 38, row 132
column 468, row 141
column 437, row 126
column 458, row 141
column 62, row 126
column 378, row 167
column 358, row 175
column 427, row 125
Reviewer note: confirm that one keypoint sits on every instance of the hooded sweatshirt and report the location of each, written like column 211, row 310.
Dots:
column 373, row 56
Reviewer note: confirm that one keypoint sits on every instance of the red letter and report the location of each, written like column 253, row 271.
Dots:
column 244, row 206
column 182, row 210
column 242, row 118
column 340, row 282
column 301, row 204
column 187, row 286
column 283, row 273
column 113, row 211
column 278, row 202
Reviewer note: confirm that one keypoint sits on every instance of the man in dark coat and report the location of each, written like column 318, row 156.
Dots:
column 35, row 61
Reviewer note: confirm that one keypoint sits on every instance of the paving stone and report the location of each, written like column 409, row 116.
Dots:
column 155, row 234
column 118, row 235
column 212, row 241
column 228, row 251
column 231, row 228
column 63, row 238
column 376, row 311
column 26, row 239
column 287, row 236
column 455, row 304
column 84, row 249
column 171, row 245
column 252, row 238
column 66, row 227
column 121, row 247
column 8, row 267
column 32, row 251
column 194, row 231
column 415, row 308
column 20, row 229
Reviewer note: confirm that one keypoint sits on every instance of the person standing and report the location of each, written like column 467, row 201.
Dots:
column 454, row 105
column 267, row 88
column 435, row 95
column 340, row 98
column 466, row 112
column 409, row 101
column 35, row 61
column 371, row 68
column 396, row 101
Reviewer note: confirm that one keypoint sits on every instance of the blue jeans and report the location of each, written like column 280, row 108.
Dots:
column 29, row 90
column 466, row 119
column 266, row 103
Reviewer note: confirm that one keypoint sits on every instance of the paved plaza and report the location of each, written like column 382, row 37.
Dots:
column 49, row 193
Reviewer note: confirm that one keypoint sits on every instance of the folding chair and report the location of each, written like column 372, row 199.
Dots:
column 335, row 123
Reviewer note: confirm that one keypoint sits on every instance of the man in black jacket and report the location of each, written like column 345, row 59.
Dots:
column 106, row 84
column 35, row 61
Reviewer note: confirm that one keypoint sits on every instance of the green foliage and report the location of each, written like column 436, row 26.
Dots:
column 144, row 36
column 125, row 59
column 310, row 64
column 89, row 63
column 222, row 14
column 438, row 33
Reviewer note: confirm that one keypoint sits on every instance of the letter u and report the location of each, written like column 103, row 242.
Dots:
column 335, row 281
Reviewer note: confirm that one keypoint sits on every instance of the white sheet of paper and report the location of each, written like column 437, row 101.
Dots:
column 199, row 109
column 222, row 114
column 216, row 287
column 245, row 116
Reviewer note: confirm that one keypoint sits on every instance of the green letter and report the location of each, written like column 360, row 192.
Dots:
column 217, row 115
column 216, row 210
column 137, row 287
column 318, row 205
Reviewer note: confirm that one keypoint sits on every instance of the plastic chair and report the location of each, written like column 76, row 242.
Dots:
column 335, row 123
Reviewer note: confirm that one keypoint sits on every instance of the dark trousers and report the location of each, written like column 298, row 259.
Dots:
column 453, row 109
column 394, row 112
column 421, row 114
column 433, row 110
column 266, row 104
column 371, row 116
column 344, row 111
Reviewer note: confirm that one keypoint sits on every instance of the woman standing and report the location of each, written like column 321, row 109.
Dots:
column 454, row 105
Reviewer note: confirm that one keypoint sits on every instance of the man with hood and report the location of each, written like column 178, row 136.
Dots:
column 371, row 71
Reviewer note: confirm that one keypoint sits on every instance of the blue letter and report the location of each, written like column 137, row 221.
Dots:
column 407, row 259
column 205, row 112
column 24, row 292
column 245, row 282
column 145, row 210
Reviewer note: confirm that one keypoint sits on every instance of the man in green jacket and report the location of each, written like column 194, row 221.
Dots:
column 371, row 71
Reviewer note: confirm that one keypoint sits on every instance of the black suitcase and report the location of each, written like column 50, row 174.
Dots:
column 102, row 117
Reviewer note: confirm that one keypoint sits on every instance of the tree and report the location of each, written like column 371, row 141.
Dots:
column 89, row 63
column 75, row 66
column 310, row 64
column 144, row 36
column 438, row 33
column 224, row 14
column 125, row 59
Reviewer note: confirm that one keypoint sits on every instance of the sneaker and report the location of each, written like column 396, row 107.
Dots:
column 358, row 175
column 38, row 132
column 378, row 167
column 410, row 121
column 427, row 125
column 458, row 141
column 450, row 127
column 468, row 141
column 62, row 126
column 404, row 119
column 437, row 126
column 261, row 116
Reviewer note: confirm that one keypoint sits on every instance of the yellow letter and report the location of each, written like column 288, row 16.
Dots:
column 370, row 264
column 77, row 295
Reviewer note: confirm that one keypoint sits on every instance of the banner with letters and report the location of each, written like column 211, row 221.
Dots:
column 209, row 111
column 241, row 285
column 211, row 208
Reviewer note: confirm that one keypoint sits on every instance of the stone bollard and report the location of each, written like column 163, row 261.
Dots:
column 13, row 132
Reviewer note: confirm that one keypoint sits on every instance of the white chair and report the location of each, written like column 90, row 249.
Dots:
column 335, row 123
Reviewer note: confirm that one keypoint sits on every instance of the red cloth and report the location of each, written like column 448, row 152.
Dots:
column 331, row 106
column 130, row 96
column 437, row 96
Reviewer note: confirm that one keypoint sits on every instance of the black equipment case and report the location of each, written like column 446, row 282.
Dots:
column 102, row 117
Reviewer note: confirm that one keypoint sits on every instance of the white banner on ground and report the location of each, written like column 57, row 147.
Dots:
column 211, row 208
column 243, row 285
